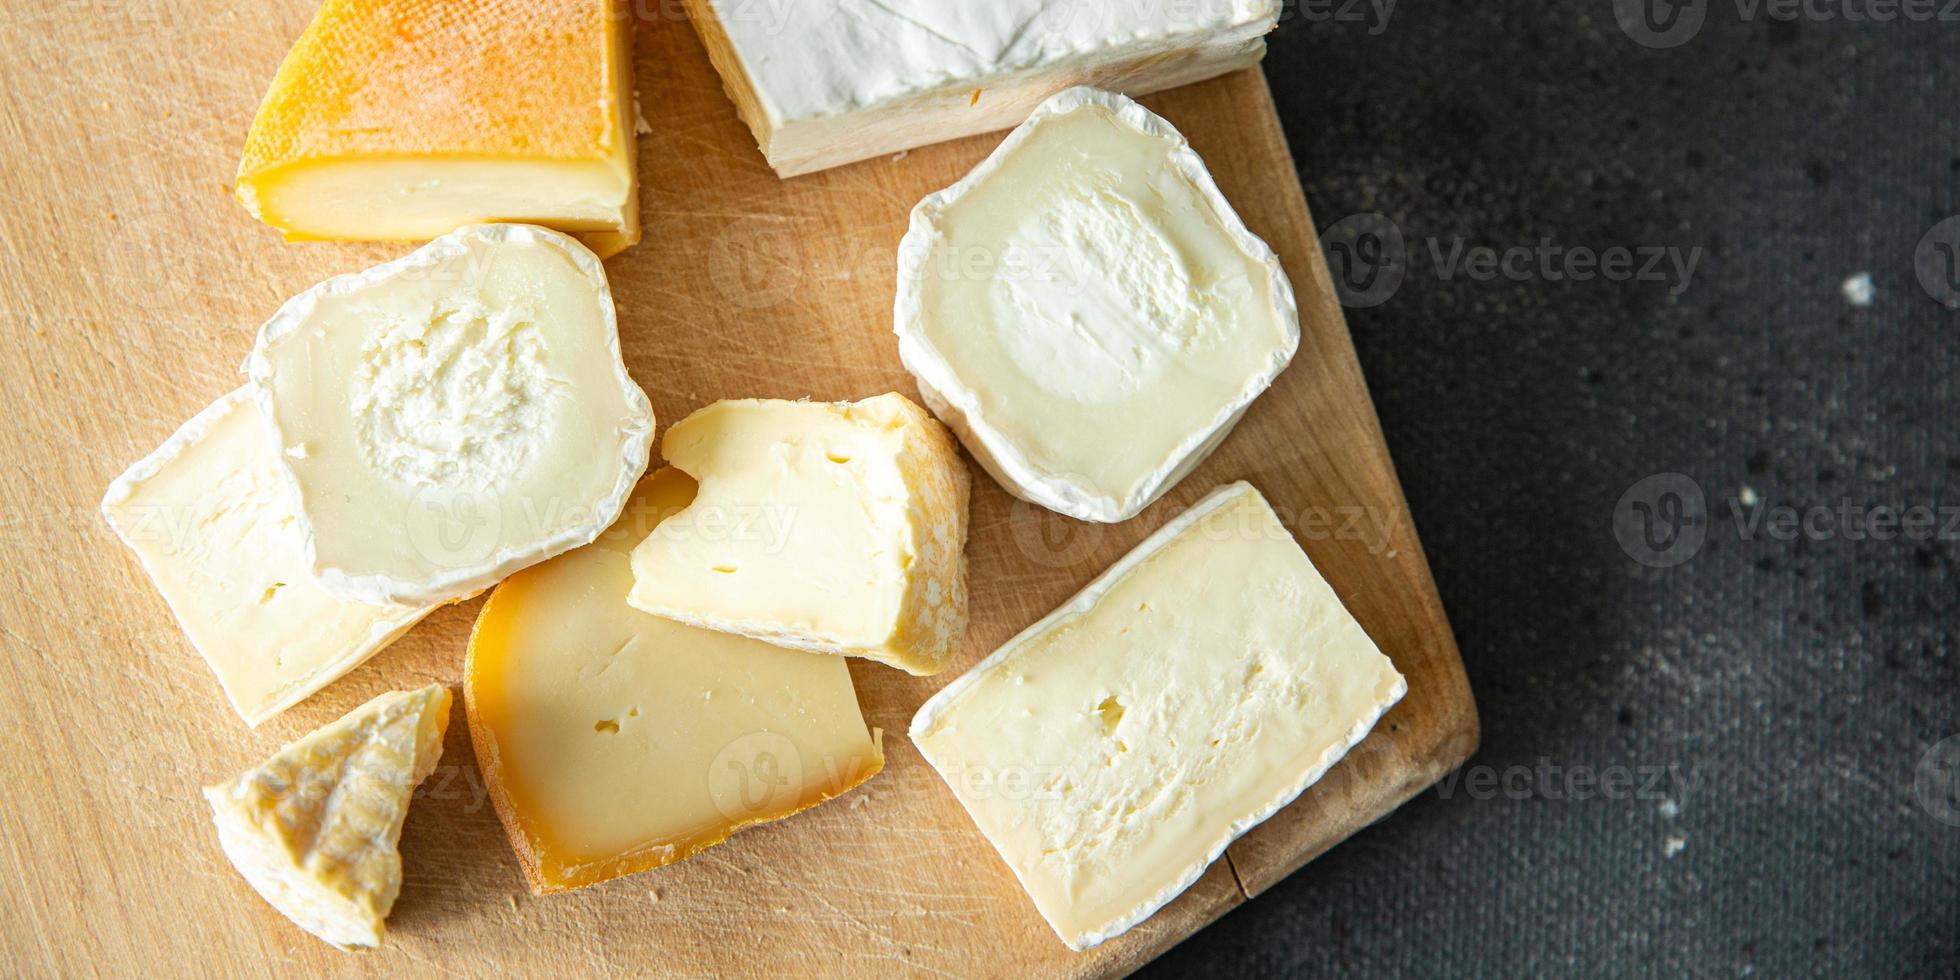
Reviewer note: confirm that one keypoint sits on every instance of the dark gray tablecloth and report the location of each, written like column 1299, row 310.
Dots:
column 1775, row 669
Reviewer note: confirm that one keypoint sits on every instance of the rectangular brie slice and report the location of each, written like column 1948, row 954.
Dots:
column 1111, row 751
column 828, row 82
column 403, row 120
column 211, row 517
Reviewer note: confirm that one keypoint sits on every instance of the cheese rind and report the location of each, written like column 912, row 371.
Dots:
column 613, row 741
column 1111, row 751
column 1087, row 312
column 453, row 416
column 211, row 518
column 406, row 120
column 829, row 527
column 828, row 82
column 314, row 829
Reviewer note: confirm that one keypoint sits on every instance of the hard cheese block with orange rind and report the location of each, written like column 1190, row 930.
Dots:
column 405, row 119
column 1184, row 696
column 830, row 527
column 614, row 741
column 314, row 829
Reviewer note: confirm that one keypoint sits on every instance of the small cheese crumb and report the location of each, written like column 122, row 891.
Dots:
column 976, row 97
column 1858, row 290
column 1674, row 845
column 1748, row 496
column 1670, row 809
column 653, row 896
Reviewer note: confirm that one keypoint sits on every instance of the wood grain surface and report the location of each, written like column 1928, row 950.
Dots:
column 130, row 288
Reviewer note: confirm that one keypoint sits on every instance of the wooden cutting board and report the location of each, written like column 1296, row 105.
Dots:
column 130, row 288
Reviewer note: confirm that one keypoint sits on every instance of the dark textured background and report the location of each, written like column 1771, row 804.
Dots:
column 1796, row 688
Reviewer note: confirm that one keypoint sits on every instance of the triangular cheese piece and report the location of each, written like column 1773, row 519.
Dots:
column 314, row 828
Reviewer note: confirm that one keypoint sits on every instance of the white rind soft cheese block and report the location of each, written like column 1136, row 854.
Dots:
column 453, row 416
column 834, row 527
column 315, row 828
column 213, row 521
column 828, row 82
column 1087, row 312
column 1111, row 751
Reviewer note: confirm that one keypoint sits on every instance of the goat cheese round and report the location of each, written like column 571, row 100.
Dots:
column 1087, row 312
column 451, row 417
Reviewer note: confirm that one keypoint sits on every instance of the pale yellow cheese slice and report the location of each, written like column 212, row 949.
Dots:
column 314, row 828
column 216, row 527
column 1111, row 751
column 406, row 119
column 613, row 741
column 829, row 527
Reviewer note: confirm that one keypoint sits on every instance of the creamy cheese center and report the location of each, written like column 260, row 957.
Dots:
column 1097, row 288
column 456, row 400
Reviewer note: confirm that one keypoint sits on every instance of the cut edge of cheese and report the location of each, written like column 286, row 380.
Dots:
column 391, row 621
column 314, row 175
column 958, row 404
column 458, row 584
column 492, row 623
column 954, row 108
column 324, row 851
column 1080, row 604
column 921, row 642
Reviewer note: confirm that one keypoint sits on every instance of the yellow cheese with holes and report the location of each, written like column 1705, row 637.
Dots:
column 613, row 741
column 314, row 829
column 830, row 527
column 218, row 530
column 406, row 119
column 1111, row 751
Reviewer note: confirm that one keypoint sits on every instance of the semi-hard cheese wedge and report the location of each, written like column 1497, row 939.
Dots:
column 1086, row 310
column 406, row 119
column 829, row 527
column 1112, row 750
column 613, row 741
column 453, row 416
column 211, row 518
column 827, row 82
column 314, row 829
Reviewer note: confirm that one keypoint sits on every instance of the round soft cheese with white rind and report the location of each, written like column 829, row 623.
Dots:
column 1087, row 311
column 456, row 415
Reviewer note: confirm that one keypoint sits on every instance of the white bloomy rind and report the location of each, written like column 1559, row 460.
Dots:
column 450, row 583
column 1078, row 607
column 957, row 403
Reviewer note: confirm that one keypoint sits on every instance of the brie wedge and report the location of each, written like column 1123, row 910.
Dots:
column 1086, row 310
column 1111, row 751
column 834, row 528
column 212, row 519
column 613, row 741
column 453, row 416
column 407, row 119
column 314, row 829
column 827, row 82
